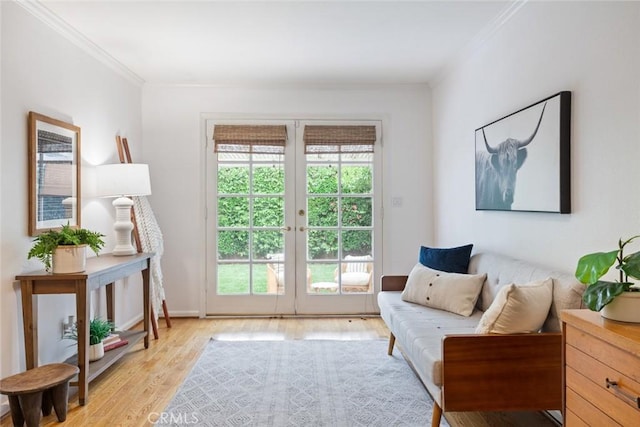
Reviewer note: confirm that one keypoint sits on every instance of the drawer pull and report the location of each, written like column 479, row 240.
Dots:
column 614, row 385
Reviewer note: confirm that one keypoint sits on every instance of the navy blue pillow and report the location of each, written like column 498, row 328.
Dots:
column 451, row 260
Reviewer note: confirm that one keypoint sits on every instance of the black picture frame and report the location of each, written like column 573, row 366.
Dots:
column 523, row 159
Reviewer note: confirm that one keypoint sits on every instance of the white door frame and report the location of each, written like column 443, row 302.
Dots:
column 295, row 300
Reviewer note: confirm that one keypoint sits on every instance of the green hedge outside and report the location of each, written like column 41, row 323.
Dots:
column 325, row 209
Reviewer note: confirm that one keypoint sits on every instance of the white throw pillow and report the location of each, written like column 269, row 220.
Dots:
column 518, row 309
column 452, row 292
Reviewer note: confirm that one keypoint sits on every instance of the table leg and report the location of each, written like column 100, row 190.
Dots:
column 16, row 411
column 110, row 293
column 47, row 402
column 82, row 314
column 146, row 306
column 29, row 322
column 60, row 398
column 31, row 405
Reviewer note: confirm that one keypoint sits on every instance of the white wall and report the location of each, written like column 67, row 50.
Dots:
column 590, row 49
column 44, row 72
column 174, row 147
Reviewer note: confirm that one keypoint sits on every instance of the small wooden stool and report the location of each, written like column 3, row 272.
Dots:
column 38, row 389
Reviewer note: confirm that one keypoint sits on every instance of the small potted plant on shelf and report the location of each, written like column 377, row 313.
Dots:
column 99, row 329
column 618, row 300
column 65, row 248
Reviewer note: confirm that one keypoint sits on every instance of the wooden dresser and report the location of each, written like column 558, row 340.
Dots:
column 601, row 370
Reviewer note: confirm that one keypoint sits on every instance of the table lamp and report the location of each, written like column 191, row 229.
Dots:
column 122, row 180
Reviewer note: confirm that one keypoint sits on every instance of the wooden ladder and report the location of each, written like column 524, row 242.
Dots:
column 125, row 157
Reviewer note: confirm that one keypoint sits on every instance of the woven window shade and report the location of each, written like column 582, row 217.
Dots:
column 261, row 139
column 339, row 139
column 57, row 179
column 51, row 142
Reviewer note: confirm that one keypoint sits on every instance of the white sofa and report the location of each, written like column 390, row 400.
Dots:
column 465, row 371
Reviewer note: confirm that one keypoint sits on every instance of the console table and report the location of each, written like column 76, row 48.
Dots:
column 100, row 271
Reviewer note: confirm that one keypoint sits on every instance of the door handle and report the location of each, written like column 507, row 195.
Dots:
column 302, row 228
column 288, row 228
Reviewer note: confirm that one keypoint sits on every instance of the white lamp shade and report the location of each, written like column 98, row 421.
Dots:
column 123, row 179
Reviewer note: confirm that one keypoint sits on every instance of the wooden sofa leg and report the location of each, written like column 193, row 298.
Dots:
column 392, row 341
column 437, row 415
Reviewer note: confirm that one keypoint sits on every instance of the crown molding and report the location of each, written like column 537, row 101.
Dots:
column 41, row 12
column 478, row 41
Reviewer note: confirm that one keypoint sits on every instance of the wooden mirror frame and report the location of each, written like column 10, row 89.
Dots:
column 64, row 186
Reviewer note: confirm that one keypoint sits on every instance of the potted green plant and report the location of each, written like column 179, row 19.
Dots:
column 618, row 300
column 65, row 248
column 99, row 329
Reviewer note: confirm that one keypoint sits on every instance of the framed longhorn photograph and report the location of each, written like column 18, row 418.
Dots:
column 523, row 159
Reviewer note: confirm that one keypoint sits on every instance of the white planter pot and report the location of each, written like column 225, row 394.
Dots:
column 624, row 308
column 69, row 259
column 96, row 351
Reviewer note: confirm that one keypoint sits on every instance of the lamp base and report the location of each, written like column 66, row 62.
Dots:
column 124, row 251
column 123, row 227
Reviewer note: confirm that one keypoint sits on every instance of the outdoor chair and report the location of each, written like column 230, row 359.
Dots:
column 275, row 278
column 356, row 273
column 275, row 274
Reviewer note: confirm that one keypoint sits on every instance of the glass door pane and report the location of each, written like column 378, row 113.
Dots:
column 250, row 222
column 249, row 246
column 338, row 196
column 340, row 239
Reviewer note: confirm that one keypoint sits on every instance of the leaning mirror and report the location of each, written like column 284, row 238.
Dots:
column 54, row 174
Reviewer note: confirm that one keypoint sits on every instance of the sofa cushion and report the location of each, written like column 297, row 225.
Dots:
column 503, row 270
column 452, row 292
column 451, row 260
column 518, row 309
column 419, row 331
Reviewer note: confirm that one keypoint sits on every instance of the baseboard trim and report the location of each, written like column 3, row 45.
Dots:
column 131, row 323
column 291, row 316
column 186, row 313
column 4, row 409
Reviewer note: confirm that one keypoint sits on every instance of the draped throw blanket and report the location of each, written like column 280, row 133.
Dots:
column 151, row 241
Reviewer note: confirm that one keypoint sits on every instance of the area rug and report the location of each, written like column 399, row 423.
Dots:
column 300, row 383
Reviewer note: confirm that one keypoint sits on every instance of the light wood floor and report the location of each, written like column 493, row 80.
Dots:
column 141, row 384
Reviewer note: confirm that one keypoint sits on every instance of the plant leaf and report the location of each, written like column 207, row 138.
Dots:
column 592, row 267
column 631, row 265
column 602, row 293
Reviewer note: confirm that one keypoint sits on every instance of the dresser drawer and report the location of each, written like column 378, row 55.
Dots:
column 576, row 404
column 605, row 352
column 601, row 370
column 615, row 406
column 572, row 420
column 603, row 374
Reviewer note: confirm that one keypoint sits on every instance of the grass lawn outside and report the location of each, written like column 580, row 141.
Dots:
column 234, row 278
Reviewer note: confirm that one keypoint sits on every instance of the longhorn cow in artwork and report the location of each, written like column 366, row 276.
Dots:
column 496, row 170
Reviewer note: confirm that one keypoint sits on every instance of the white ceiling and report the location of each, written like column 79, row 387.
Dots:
column 294, row 42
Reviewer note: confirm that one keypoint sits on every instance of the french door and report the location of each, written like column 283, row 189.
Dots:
column 293, row 227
